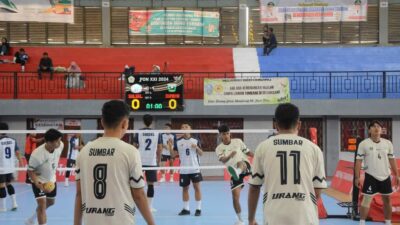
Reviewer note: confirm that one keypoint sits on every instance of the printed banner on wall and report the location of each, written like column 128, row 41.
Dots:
column 174, row 22
column 299, row 11
column 45, row 124
column 246, row 91
column 54, row 11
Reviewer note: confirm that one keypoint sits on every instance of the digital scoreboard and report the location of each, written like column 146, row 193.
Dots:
column 161, row 92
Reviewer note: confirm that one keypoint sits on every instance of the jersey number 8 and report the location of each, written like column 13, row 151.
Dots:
column 100, row 176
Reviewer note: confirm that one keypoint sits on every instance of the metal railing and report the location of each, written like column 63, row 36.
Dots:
column 110, row 85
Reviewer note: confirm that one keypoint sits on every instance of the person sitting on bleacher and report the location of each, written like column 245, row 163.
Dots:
column 74, row 76
column 45, row 65
column 4, row 47
column 21, row 57
column 271, row 43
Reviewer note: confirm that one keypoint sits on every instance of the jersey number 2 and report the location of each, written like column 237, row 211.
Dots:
column 282, row 155
column 148, row 143
column 100, row 176
column 8, row 152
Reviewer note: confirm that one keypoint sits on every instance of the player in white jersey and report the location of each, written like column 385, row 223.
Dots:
column 234, row 154
column 42, row 169
column 149, row 145
column 109, row 180
column 291, row 168
column 378, row 157
column 9, row 151
column 165, row 154
column 189, row 150
column 75, row 145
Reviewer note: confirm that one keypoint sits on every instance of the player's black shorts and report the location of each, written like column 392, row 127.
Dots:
column 165, row 158
column 6, row 178
column 184, row 179
column 151, row 175
column 70, row 163
column 40, row 194
column 239, row 183
column 373, row 186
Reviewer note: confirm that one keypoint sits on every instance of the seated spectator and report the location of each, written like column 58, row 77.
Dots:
column 74, row 76
column 21, row 57
column 4, row 47
column 265, row 37
column 272, row 43
column 45, row 65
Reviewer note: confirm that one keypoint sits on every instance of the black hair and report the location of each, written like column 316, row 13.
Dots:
column 188, row 123
column 22, row 50
column 147, row 119
column 3, row 126
column 373, row 122
column 113, row 112
column 52, row 135
column 45, row 53
column 168, row 125
column 223, row 128
column 271, row 29
column 287, row 115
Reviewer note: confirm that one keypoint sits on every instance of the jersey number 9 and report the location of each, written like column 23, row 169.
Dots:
column 8, row 152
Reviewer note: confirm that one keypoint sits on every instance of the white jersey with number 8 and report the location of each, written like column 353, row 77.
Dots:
column 107, row 169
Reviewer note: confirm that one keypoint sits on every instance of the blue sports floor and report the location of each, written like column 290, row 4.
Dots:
column 216, row 206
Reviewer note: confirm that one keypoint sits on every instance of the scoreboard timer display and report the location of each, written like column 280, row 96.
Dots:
column 161, row 92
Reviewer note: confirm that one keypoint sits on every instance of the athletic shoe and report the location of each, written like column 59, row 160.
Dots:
column 30, row 222
column 239, row 223
column 233, row 172
column 198, row 212
column 184, row 212
column 14, row 208
column 162, row 179
column 66, row 183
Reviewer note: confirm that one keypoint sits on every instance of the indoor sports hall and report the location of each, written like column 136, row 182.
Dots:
column 196, row 76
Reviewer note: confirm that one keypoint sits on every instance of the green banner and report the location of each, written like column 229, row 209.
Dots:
column 174, row 22
column 246, row 91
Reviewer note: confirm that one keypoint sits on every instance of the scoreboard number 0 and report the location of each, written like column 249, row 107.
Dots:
column 172, row 104
column 135, row 104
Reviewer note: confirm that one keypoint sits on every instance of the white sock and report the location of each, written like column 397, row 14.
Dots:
column 14, row 199
column 198, row 203
column 186, row 205
column 388, row 222
column 150, row 201
column 2, row 203
column 362, row 222
column 33, row 217
column 239, row 217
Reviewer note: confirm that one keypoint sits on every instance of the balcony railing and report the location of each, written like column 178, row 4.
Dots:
column 109, row 85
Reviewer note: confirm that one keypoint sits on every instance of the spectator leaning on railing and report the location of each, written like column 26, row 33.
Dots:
column 45, row 65
column 74, row 76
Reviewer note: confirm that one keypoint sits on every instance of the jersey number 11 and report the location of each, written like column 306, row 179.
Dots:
column 282, row 155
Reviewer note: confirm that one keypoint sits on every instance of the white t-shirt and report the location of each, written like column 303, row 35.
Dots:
column 376, row 157
column 8, row 149
column 148, row 144
column 289, row 167
column 236, row 145
column 165, row 137
column 107, row 169
column 187, row 154
column 45, row 163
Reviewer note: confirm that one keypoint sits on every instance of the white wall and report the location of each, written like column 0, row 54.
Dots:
column 253, row 139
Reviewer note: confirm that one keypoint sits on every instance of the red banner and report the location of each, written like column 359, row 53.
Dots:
column 343, row 177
